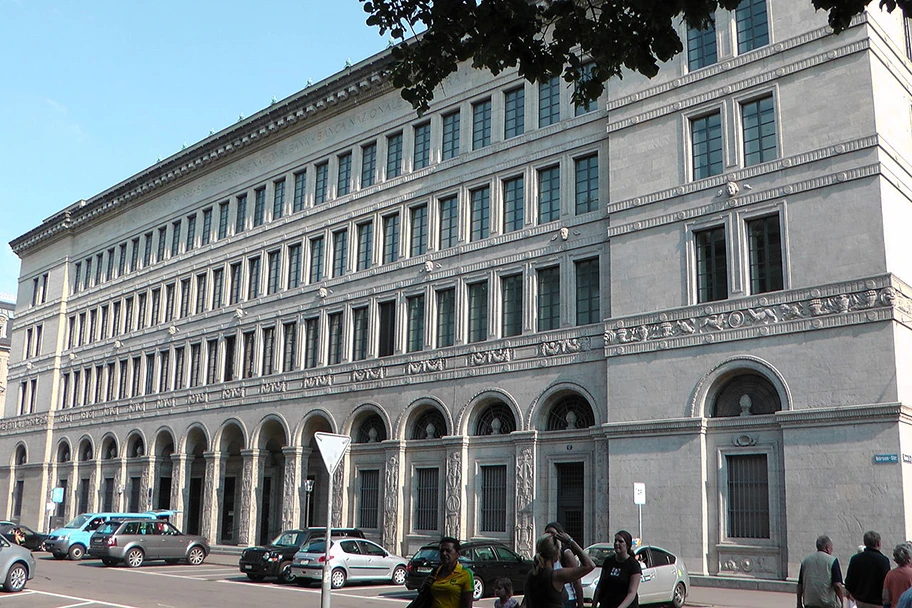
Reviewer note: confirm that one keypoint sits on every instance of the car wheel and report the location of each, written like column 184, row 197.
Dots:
column 255, row 577
column 680, row 594
column 16, row 578
column 76, row 552
column 135, row 557
column 337, row 578
column 399, row 575
column 479, row 590
column 286, row 576
column 196, row 556
column 108, row 561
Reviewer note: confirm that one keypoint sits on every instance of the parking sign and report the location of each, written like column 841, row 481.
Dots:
column 639, row 493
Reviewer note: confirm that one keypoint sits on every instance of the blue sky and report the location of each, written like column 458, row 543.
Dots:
column 93, row 91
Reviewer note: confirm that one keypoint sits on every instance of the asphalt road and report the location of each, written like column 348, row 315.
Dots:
column 218, row 584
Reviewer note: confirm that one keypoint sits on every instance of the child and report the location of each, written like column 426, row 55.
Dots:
column 503, row 589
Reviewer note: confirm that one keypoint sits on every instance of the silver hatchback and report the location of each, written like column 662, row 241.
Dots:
column 138, row 540
column 17, row 566
column 350, row 559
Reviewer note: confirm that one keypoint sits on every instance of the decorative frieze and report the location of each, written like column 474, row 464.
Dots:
column 453, row 502
column 391, row 506
column 23, row 423
column 425, row 366
column 317, row 381
column 525, row 494
column 194, row 398
column 273, row 386
column 489, row 357
column 363, row 375
column 234, row 392
column 566, row 346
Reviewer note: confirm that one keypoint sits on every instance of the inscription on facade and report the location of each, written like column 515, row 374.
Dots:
column 166, row 402
column 236, row 391
column 362, row 375
column 22, row 423
column 193, row 398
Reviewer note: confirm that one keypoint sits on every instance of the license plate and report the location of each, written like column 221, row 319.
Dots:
column 424, row 570
column 304, row 562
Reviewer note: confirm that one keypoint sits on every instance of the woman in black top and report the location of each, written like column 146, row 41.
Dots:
column 544, row 585
column 620, row 576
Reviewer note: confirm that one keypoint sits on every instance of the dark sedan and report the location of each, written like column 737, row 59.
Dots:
column 488, row 562
column 33, row 540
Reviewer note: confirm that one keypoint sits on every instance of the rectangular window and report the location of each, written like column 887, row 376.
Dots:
column 235, row 277
column 311, row 342
column 134, row 254
column 240, row 216
column 701, row 46
column 548, row 313
column 765, row 251
column 253, row 278
column 343, row 183
column 387, row 317
column 156, row 312
column 587, row 184
column 478, row 312
column 369, row 506
column 169, row 305
column 549, row 101
column 228, row 372
column 88, row 274
column 418, row 226
column 300, row 180
column 17, row 497
column 368, row 164
column 122, row 259
column 588, row 309
column 415, row 330
column 207, row 227
column 481, row 124
column 294, row 266
column 449, row 222
column 446, row 317
column 758, row 119
column 211, row 361
column 548, row 194
column 450, row 135
column 706, row 144
column 249, row 357
column 513, row 202
column 195, row 363
column 122, row 379
column 340, row 252
column 316, row 259
column 218, row 283
column 752, row 25
column 748, row 496
column 278, row 199
column 99, row 268
column 175, row 238
column 712, row 269
column 494, row 498
column 93, row 322
column 224, row 210
column 273, row 268
column 150, row 375
column 162, row 245
column 128, row 314
column 135, row 377
column 480, row 220
column 268, row 363
column 179, row 367
column 589, row 106
column 164, row 371
column 359, row 334
column 191, row 233
column 115, row 319
column 514, row 112
column 511, row 293
column 335, row 338
column 147, row 250
column 422, row 151
column 390, row 238
column 200, row 293
column 259, row 206
column 77, row 273
column 289, row 346
column 109, row 275
column 393, row 155
column 426, row 501
column 365, row 245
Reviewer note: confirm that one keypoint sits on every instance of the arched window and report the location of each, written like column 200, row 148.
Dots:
column 138, row 448
column 496, row 419
column 109, row 452
column 746, row 394
column 570, row 412
column 372, row 429
column 21, row 456
column 63, row 453
column 429, row 425
column 85, row 454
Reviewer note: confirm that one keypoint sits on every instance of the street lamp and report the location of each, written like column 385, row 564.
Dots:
column 308, row 490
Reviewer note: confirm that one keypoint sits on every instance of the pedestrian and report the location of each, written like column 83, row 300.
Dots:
column 866, row 573
column 620, row 577
column 451, row 585
column 545, row 584
column 18, row 536
column 503, row 591
column 905, row 600
column 820, row 578
column 573, row 589
column 899, row 578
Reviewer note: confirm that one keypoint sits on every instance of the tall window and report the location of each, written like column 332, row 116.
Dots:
column 494, row 498
column 195, row 365
column 240, row 214
column 514, row 112
column 548, row 314
column 587, row 292
column 393, row 155
column 511, row 304
column 368, row 164
column 706, row 142
column 212, row 360
column 446, row 317
column 273, row 267
column 748, row 496
column 450, row 135
column 386, row 345
column 175, row 238
column 548, row 194
column 249, row 355
column 765, row 249
column 321, row 185
column 390, row 238
column 206, row 235
column 365, row 245
column 426, row 498
column 481, row 124
column 278, row 199
column 712, row 270
column 549, row 101
column 513, row 204
column 589, row 106
column 369, row 506
column 752, row 25
column 418, row 226
column 200, row 293
column 335, row 338
column 449, row 222
column 235, row 295
column 294, row 266
column 478, row 312
column 156, row 313
column 343, row 183
column 88, row 274
column 359, row 334
column 134, row 255
column 758, row 119
column 190, row 241
column 224, row 210
column 300, row 180
column 316, row 259
column 122, row 259
column 147, row 250
column 701, row 47
column 415, row 330
column 422, row 152
column 587, row 186
column 253, row 278
column 311, row 342
column 480, row 213
column 218, row 287
column 169, row 307
column 289, row 345
column 340, row 252
column 268, row 363
column 259, row 206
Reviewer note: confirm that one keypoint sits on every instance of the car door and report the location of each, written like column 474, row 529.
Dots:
column 172, row 543
column 355, row 563
column 149, row 539
column 377, row 564
column 487, row 567
column 663, row 563
column 514, row 567
column 648, row 588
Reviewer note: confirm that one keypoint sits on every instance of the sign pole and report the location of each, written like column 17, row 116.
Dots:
column 327, row 571
column 332, row 448
column 639, row 499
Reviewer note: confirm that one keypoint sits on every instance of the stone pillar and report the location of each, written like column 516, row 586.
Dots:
column 601, row 488
column 338, row 487
column 524, row 530
column 120, row 486
column 94, row 486
column 304, row 497
column 69, row 507
column 392, row 497
column 250, row 483
column 178, row 480
column 147, row 483
column 455, row 489
column 291, row 486
column 212, row 496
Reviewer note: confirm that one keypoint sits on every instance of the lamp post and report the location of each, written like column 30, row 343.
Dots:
column 308, row 490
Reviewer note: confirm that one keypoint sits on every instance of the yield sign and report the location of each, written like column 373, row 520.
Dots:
column 332, row 448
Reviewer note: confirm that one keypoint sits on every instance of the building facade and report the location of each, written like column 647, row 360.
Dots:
column 515, row 306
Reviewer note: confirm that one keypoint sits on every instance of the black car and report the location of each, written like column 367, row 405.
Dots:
column 33, row 540
column 274, row 560
column 488, row 562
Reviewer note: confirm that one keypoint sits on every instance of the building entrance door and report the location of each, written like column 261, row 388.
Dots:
column 570, row 491
column 195, row 506
column 227, row 534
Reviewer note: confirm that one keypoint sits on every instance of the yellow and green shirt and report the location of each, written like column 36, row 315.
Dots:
column 447, row 591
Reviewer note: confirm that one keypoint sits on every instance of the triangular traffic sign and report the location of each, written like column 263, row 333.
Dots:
column 332, row 448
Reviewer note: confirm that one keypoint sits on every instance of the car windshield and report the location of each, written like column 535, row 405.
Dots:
column 315, row 546
column 78, row 522
column 108, row 528
column 288, row 539
column 428, row 553
column 599, row 554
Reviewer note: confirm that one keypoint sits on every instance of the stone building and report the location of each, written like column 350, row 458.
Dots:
column 516, row 307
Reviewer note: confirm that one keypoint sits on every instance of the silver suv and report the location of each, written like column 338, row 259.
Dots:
column 136, row 540
column 17, row 566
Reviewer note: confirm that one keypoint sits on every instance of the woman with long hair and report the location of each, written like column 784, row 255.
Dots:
column 545, row 585
column 574, row 589
column 620, row 578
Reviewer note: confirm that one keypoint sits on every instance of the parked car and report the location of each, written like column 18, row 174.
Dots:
column 135, row 541
column 665, row 579
column 17, row 566
column 33, row 540
column 488, row 561
column 350, row 559
column 274, row 560
column 72, row 540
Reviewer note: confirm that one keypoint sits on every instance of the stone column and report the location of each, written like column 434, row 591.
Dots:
column 212, row 497
column 178, row 479
column 292, row 483
column 69, row 508
column 94, row 488
column 524, row 526
column 147, row 483
column 338, row 487
column 455, row 489
column 250, row 484
column 392, row 497
column 601, row 488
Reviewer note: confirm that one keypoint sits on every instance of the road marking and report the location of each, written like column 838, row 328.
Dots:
column 82, row 599
column 79, row 604
column 334, row 593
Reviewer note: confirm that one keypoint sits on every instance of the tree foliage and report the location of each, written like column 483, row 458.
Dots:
column 545, row 38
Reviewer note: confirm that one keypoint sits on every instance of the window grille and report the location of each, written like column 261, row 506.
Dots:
column 496, row 419
column 343, row 182
column 571, row 412
column 394, row 155
column 701, row 46
column 494, row 498
column 514, row 112
column 372, row 429
column 429, row 425
column 451, row 135
column 370, row 498
column 748, row 496
column 278, row 199
column 746, row 394
column 549, row 101
column 426, row 498
column 320, row 185
column 368, row 165
column 422, row 150
column 481, row 124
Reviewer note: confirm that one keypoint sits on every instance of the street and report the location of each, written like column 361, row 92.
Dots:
column 218, row 584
